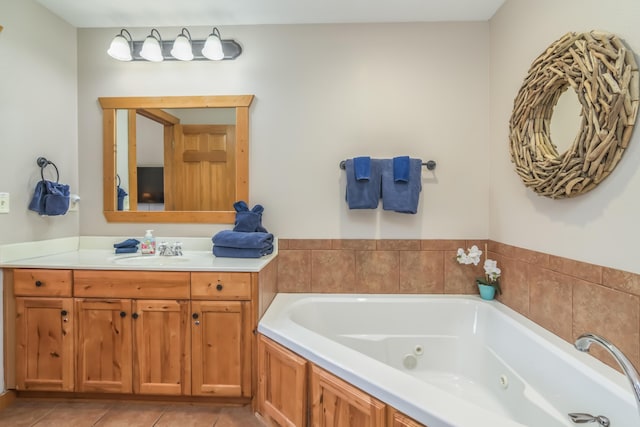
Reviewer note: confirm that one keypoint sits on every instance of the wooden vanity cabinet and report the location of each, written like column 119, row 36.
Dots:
column 221, row 333
column 44, row 330
column 128, row 342
column 398, row 419
column 133, row 332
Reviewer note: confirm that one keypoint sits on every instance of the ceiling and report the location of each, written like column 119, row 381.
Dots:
column 158, row 13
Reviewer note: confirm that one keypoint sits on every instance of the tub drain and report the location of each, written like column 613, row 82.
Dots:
column 410, row 361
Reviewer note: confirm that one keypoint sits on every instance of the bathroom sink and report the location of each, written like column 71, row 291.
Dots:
column 150, row 260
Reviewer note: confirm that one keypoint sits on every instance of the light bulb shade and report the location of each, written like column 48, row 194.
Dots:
column 120, row 48
column 152, row 49
column 182, row 48
column 213, row 46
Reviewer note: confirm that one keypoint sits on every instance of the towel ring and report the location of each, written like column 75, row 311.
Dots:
column 430, row 164
column 118, row 184
column 43, row 163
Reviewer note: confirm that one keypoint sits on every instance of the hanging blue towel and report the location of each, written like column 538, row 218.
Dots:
column 242, row 240
column 401, row 169
column 226, row 252
column 363, row 194
column 400, row 196
column 362, row 168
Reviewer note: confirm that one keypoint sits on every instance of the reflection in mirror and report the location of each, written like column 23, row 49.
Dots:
column 178, row 159
column 565, row 121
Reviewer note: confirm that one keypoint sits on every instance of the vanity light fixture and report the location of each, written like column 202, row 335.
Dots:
column 152, row 48
column 183, row 48
column 121, row 47
column 213, row 46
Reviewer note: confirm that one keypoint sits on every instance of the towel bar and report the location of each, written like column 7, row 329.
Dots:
column 430, row 164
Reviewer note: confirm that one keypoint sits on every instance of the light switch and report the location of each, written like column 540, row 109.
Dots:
column 4, row 202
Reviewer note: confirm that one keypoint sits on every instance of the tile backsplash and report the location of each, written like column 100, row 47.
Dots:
column 565, row 296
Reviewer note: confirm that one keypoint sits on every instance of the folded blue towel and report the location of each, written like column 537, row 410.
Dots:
column 248, row 221
column 401, row 196
column 127, row 250
column 362, row 168
column 226, row 252
column 401, row 169
column 129, row 243
column 363, row 194
column 242, row 240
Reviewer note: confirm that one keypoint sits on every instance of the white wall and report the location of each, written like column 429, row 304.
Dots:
column 601, row 226
column 323, row 93
column 38, row 115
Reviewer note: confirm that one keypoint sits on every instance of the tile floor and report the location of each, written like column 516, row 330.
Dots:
column 41, row 413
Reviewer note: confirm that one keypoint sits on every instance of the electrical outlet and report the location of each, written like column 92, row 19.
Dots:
column 4, row 202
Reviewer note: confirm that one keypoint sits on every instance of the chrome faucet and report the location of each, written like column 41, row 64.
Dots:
column 174, row 250
column 584, row 342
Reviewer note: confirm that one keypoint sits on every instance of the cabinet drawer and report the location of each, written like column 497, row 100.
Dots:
column 42, row 283
column 221, row 286
column 131, row 284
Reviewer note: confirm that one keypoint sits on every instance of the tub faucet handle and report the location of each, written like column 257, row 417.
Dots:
column 581, row 418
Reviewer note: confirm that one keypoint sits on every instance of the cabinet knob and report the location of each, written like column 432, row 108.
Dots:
column 195, row 315
column 123, row 314
column 38, row 283
column 219, row 286
column 63, row 312
column 134, row 315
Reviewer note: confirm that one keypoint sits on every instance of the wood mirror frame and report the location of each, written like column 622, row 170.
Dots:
column 604, row 75
column 109, row 106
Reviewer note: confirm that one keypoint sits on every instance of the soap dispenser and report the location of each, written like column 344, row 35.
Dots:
column 148, row 246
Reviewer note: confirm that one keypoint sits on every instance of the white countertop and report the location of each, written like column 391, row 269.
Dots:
column 96, row 253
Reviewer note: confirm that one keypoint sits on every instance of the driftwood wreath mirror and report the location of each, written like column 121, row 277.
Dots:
column 604, row 75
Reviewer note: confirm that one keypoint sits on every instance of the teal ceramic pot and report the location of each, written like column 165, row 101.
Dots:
column 487, row 292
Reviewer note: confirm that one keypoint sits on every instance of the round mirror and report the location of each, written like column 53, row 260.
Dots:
column 565, row 121
column 602, row 73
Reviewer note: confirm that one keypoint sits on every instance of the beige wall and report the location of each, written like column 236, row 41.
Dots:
column 39, row 115
column 323, row 93
column 600, row 227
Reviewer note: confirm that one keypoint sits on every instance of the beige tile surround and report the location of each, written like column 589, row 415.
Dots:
column 565, row 296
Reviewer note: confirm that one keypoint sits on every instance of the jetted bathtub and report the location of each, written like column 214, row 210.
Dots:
column 450, row 360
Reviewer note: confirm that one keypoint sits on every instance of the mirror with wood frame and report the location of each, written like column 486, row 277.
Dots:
column 202, row 163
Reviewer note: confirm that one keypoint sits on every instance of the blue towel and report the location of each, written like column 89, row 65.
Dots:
column 56, row 201
column 121, row 195
column 127, row 250
column 226, row 252
column 50, row 198
column 242, row 240
column 401, row 169
column 363, row 194
column 129, row 243
column 362, row 168
column 248, row 221
column 401, row 196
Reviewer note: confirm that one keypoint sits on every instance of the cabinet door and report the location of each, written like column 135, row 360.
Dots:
column 162, row 347
column 282, row 384
column 44, row 344
column 336, row 403
column 398, row 419
column 221, row 348
column 104, row 346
